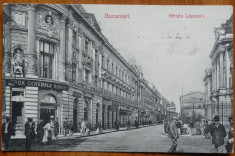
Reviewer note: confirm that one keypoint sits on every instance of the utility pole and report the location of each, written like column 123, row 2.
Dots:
column 193, row 112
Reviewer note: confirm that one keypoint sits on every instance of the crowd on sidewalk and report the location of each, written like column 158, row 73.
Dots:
column 222, row 141
column 45, row 132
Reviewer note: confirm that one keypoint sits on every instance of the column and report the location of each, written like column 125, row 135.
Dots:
column 6, row 46
column 70, row 53
column 62, row 49
column 221, row 71
column 31, row 53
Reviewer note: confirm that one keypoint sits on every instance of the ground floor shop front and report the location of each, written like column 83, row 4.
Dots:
column 38, row 99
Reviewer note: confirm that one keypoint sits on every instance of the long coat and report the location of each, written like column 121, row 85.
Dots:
column 29, row 130
column 10, row 129
column 218, row 134
column 173, row 132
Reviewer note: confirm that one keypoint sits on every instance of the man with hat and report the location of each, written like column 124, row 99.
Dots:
column 8, row 130
column 173, row 134
column 230, row 144
column 218, row 134
column 29, row 133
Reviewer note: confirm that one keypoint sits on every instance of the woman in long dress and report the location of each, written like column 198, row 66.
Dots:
column 47, row 133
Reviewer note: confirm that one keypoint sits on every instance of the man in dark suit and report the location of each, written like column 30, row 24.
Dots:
column 173, row 134
column 29, row 133
column 8, row 130
column 218, row 134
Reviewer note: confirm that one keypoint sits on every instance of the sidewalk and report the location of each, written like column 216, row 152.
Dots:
column 104, row 131
column 92, row 133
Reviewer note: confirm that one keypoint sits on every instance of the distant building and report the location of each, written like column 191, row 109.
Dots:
column 192, row 106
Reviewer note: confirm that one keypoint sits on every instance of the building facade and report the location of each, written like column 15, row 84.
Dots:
column 221, row 90
column 192, row 106
column 57, row 62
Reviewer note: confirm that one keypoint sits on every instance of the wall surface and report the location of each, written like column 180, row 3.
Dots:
column 146, row 2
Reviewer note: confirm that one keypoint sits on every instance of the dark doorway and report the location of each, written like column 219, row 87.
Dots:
column 103, row 111
column 97, row 113
column 17, row 112
column 86, row 111
column 46, row 112
column 75, row 114
column 108, row 117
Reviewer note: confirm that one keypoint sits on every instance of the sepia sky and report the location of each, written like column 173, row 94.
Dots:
column 173, row 52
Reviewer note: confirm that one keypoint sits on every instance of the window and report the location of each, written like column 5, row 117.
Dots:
column 96, row 56
column 103, row 61
column 46, row 59
column 86, row 47
column 87, row 76
column 74, row 67
column 74, row 42
column 116, row 71
column 19, row 18
column 107, row 64
column 96, row 82
column 112, row 70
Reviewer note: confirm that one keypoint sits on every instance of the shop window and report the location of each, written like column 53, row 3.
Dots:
column 46, row 59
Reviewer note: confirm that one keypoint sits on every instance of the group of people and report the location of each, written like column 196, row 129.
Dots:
column 68, row 127
column 85, row 127
column 215, row 131
column 43, row 132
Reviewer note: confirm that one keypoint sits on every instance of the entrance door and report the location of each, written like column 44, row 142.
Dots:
column 75, row 114
column 86, row 111
column 46, row 112
column 18, row 116
column 103, row 116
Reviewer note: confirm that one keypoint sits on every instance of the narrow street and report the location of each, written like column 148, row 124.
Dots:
column 148, row 139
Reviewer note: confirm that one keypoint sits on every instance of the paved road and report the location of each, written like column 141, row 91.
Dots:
column 148, row 139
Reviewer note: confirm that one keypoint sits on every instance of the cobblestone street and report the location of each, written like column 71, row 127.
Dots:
column 148, row 139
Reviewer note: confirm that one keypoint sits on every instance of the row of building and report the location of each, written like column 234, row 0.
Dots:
column 218, row 96
column 219, row 78
column 57, row 62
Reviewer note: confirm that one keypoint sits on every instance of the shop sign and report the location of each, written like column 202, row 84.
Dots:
column 36, row 83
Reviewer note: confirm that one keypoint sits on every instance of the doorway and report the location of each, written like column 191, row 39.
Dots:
column 75, row 114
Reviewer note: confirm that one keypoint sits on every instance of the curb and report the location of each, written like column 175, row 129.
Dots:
column 116, row 131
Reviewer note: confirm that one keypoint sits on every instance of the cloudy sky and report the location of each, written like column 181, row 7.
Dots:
column 173, row 52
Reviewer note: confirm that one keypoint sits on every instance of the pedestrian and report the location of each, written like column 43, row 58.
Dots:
column 29, row 133
column 185, row 127
column 191, row 124
column 218, row 134
column 52, row 124
column 206, row 130
column 71, row 127
column 178, row 125
column 57, row 128
column 198, row 128
column 47, row 137
column 83, row 127
column 128, row 124
column 8, row 130
column 173, row 135
column 40, row 130
column 66, row 126
column 99, row 127
column 166, row 126
column 136, row 123
column 88, row 127
column 230, row 143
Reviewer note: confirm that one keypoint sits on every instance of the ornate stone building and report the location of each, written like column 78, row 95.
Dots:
column 221, row 90
column 57, row 62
